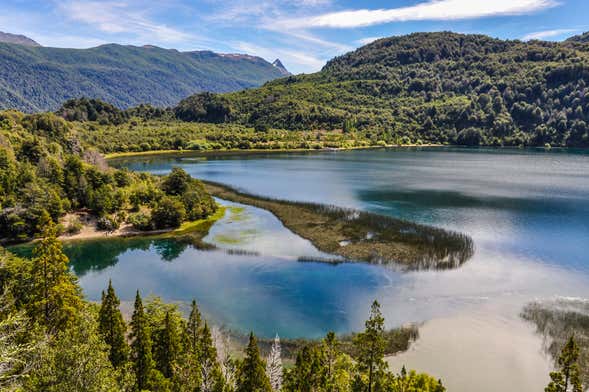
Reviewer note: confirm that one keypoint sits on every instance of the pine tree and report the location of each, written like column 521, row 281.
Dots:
column 567, row 378
column 168, row 347
column 193, row 327
column 330, row 348
column 370, row 346
column 274, row 366
column 308, row 373
column 251, row 374
column 56, row 299
column 141, row 355
column 211, row 377
column 112, row 327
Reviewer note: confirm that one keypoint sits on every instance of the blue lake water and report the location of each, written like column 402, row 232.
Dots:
column 527, row 211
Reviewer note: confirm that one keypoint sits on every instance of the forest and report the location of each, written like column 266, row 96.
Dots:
column 46, row 173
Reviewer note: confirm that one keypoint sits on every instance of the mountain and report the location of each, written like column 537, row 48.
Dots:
column 581, row 38
column 39, row 78
column 17, row 39
column 438, row 88
column 278, row 64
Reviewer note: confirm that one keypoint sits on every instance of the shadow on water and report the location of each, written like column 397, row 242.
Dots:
column 454, row 199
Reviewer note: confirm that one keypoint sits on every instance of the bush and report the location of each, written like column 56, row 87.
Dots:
column 141, row 221
column 74, row 226
column 107, row 223
column 169, row 213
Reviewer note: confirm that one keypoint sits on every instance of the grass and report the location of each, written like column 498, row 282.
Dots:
column 392, row 240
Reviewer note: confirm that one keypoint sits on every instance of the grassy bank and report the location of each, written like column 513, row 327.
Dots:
column 362, row 236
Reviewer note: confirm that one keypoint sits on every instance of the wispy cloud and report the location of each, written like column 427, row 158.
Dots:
column 548, row 34
column 428, row 10
column 120, row 17
column 287, row 56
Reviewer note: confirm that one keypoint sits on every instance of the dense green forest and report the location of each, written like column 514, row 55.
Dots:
column 36, row 78
column 442, row 88
column 437, row 87
column 46, row 172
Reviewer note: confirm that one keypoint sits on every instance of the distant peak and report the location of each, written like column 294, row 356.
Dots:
column 17, row 39
column 278, row 64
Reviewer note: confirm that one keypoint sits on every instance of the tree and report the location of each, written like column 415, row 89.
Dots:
column 251, row 373
column 567, row 378
column 55, row 296
column 112, row 327
column 141, row 355
column 169, row 212
column 370, row 346
column 308, row 373
column 177, row 182
column 75, row 360
column 167, row 348
column 211, row 377
column 274, row 366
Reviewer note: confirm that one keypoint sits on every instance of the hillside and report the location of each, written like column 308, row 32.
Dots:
column 436, row 87
column 17, row 39
column 39, row 78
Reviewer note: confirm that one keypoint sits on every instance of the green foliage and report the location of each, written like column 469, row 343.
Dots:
column 568, row 377
column 203, row 107
column 84, row 109
column 433, row 86
column 370, row 346
column 251, row 373
column 141, row 347
column 112, row 328
column 168, row 213
column 43, row 78
column 55, row 297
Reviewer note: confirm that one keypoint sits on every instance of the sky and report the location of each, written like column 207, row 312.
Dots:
column 304, row 34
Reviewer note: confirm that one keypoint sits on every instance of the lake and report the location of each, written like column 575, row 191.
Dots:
column 527, row 211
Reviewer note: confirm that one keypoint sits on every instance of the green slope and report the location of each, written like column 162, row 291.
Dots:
column 39, row 78
column 437, row 87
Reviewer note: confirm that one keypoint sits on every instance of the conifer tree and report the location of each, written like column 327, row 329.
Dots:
column 112, row 328
column 330, row 348
column 251, row 374
column 168, row 347
column 211, row 377
column 567, row 378
column 370, row 346
column 56, row 299
column 274, row 366
column 193, row 327
column 141, row 354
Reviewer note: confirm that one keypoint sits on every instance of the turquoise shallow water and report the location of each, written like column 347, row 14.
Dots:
column 527, row 211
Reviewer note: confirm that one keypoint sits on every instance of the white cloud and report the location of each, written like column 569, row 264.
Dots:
column 291, row 58
column 120, row 17
column 547, row 34
column 428, row 10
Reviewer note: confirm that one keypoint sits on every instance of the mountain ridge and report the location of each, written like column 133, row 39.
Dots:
column 41, row 78
column 17, row 39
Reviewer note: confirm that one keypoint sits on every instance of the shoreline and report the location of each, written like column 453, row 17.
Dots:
column 237, row 151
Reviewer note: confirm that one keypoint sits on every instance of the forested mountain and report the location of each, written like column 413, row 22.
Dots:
column 40, row 78
column 437, row 87
column 17, row 39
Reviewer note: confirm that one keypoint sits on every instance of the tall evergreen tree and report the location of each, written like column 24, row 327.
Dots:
column 168, row 347
column 193, row 328
column 112, row 328
column 211, row 376
column 370, row 346
column 567, row 378
column 274, row 366
column 141, row 345
column 251, row 374
column 308, row 373
column 330, row 348
column 55, row 296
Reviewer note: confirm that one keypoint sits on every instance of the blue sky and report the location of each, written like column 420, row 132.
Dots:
column 303, row 34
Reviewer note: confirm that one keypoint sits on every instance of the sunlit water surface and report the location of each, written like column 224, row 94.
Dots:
column 527, row 211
